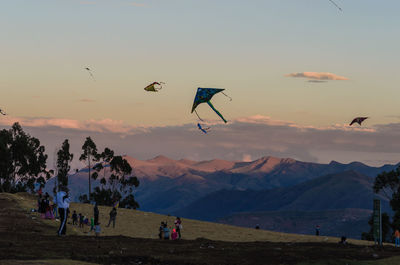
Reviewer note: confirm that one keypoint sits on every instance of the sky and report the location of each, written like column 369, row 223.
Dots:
column 271, row 56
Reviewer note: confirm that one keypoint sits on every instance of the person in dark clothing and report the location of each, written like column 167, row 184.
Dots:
column 161, row 230
column 96, row 214
column 317, row 230
column 81, row 220
column 113, row 215
column 178, row 226
column 74, row 218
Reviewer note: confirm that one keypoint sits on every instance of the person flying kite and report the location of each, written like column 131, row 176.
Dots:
column 358, row 120
column 336, row 5
column 204, row 130
column 90, row 72
column 204, row 95
column 154, row 87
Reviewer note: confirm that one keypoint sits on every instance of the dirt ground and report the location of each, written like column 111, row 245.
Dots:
column 25, row 239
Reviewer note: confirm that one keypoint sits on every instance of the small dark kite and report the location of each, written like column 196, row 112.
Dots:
column 358, row 120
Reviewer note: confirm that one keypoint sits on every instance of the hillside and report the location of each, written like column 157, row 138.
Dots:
column 167, row 185
column 28, row 239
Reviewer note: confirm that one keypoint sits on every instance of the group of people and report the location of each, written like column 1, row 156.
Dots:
column 167, row 233
column 45, row 207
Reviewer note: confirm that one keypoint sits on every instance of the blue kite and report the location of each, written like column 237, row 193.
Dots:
column 204, row 95
column 204, row 130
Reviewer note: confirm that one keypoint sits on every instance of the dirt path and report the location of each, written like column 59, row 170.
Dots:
column 24, row 238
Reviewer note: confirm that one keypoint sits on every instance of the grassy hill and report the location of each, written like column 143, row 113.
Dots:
column 27, row 239
column 138, row 224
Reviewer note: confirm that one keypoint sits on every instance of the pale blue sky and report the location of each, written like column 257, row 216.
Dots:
column 244, row 46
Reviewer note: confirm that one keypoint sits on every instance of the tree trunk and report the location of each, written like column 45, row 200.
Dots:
column 90, row 188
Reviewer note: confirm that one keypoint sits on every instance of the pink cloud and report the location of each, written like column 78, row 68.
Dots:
column 317, row 76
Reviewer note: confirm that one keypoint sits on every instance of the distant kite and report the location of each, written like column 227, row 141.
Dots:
column 2, row 112
column 90, row 72
column 154, row 87
column 204, row 95
column 204, row 130
column 336, row 5
column 358, row 120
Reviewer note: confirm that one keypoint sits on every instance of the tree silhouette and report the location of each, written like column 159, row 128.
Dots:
column 64, row 158
column 90, row 155
column 23, row 161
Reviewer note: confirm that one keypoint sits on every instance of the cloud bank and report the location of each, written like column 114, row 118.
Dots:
column 315, row 76
column 242, row 139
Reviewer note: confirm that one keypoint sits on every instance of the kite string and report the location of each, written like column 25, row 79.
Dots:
column 336, row 5
column 198, row 115
column 227, row 96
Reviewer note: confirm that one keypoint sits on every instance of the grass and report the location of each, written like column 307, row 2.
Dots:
column 139, row 224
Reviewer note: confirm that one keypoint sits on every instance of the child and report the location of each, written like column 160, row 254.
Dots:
column 161, row 230
column 174, row 234
column 74, row 218
column 91, row 224
column 166, row 232
column 97, row 229
column 81, row 218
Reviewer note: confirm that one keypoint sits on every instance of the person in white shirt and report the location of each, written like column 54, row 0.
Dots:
column 63, row 201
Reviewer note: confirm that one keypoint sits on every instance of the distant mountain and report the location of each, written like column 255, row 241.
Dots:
column 348, row 189
column 348, row 222
column 167, row 185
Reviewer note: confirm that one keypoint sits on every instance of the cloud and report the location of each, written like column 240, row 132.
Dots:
column 316, row 81
column 242, row 139
column 137, row 4
column 87, row 100
column 317, row 76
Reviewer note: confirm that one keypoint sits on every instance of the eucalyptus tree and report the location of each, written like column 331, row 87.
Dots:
column 90, row 156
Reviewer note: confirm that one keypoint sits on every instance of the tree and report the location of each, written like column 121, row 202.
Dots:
column 23, row 161
column 386, row 228
column 64, row 158
column 388, row 184
column 119, row 185
column 90, row 155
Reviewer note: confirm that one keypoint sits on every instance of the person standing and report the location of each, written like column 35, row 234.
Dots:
column 63, row 201
column 113, row 216
column 397, row 238
column 178, row 226
column 96, row 214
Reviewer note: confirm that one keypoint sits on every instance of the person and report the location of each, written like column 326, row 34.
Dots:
column 257, row 226
column 81, row 219
column 317, row 230
column 92, row 224
column 174, row 234
column 343, row 240
column 113, row 215
column 96, row 213
column 397, row 238
column 74, row 218
column 97, row 230
column 39, row 203
column 161, row 230
column 166, row 231
column 178, row 226
column 63, row 201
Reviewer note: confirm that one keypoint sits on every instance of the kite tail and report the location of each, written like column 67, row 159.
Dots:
column 216, row 111
column 198, row 115
column 227, row 96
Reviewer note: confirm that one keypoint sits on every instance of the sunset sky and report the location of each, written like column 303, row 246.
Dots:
column 271, row 56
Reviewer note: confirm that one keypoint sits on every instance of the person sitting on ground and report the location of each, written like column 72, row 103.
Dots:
column 113, row 215
column 166, row 232
column 174, row 234
column 343, row 240
column 74, row 218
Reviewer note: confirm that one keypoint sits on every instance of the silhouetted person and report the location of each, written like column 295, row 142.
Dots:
column 317, row 230
column 113, row 215
column 96, row 214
